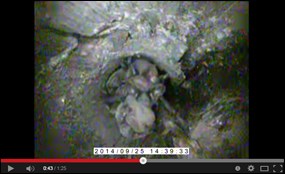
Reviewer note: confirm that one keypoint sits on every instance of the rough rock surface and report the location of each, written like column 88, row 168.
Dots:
column 79, row 44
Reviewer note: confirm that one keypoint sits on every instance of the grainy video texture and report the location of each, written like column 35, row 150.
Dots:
column 141, row 74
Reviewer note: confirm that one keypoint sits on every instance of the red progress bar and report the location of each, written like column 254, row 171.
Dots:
column 103, row 160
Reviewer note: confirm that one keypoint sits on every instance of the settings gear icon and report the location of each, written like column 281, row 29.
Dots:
column 250, row 168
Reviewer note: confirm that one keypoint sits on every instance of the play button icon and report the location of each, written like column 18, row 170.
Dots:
column 10, row 168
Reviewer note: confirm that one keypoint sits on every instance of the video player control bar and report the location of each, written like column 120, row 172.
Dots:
column 142, row 165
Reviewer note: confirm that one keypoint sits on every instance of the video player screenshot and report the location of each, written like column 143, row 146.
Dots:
column 143, row 87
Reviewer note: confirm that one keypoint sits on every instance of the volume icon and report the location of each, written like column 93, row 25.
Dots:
column 30, row 168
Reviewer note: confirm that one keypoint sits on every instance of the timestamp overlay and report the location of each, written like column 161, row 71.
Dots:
column 141, row 151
